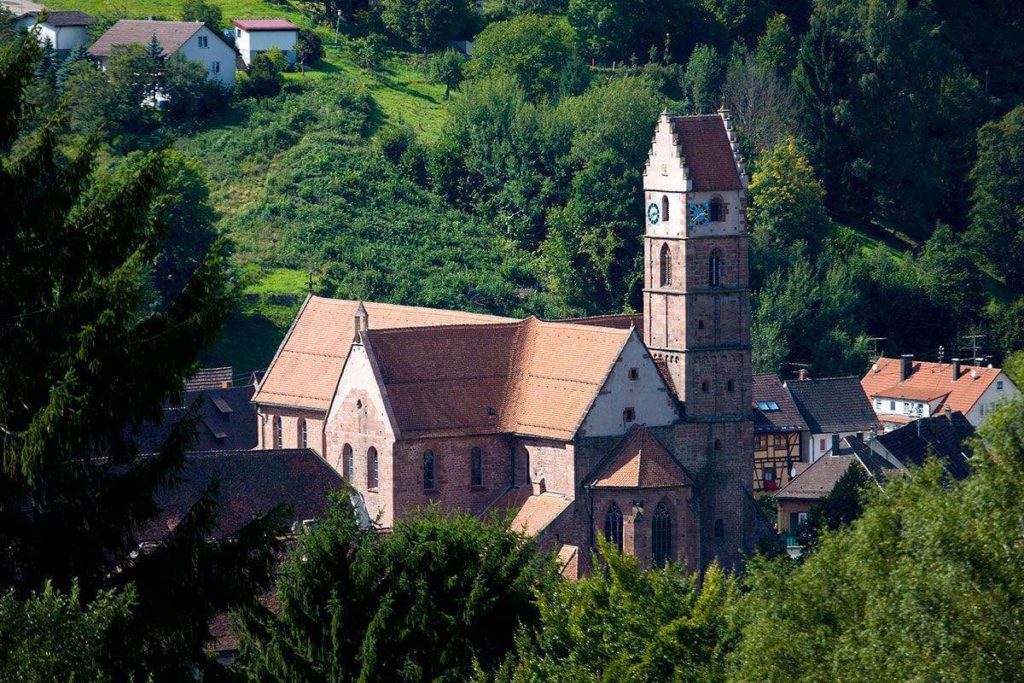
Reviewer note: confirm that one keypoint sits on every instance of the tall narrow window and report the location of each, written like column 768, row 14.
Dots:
column 371, row 468
column 715, row 211
column 613, row 526
column 428, row 471
column 476, row 467
column 666, row 266
column 661, row 535
column 278, row 432
column 303, row 434
column 664, row 207
column 714, row 269
column 347, row 463
column 719, row 528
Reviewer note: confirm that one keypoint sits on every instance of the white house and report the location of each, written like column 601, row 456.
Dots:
column 192, row 39
column 64, row 30
column 253, row 36
column 833, row 407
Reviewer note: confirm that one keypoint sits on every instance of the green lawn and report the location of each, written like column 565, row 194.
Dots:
column 171, row 9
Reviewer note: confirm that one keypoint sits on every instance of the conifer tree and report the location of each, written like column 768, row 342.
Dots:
column 90, row 352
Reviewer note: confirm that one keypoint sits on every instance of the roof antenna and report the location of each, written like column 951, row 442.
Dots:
column 874, row 353
column 942, row 352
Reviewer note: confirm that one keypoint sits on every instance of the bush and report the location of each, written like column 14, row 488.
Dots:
column 369, row 52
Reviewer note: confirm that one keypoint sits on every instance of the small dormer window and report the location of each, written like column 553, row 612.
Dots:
column 204, row 41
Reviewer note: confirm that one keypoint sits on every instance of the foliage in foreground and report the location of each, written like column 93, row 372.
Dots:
column 436, row 597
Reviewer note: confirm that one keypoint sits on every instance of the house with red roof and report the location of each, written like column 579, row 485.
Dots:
column 902, row 390
column 253, row 36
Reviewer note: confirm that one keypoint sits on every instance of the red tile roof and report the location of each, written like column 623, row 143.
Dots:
column 929, row 381
column 640, row 461
column 706, row 152
column 209, row 378
column 531, row 514
column 264, row 24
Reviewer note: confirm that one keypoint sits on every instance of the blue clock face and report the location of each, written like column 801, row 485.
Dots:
column 653, row 215
column 700, row 213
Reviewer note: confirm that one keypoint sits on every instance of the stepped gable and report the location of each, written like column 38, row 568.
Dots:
column 640, row 461
column 528, row 377
column 707, row 152
column 308, row 364
column 928, row 382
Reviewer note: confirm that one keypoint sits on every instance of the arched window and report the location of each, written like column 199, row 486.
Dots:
column 476, row 467
column 666, row 265
column 714, row 269
column 303, row 434
column 613, row 526
column 278, row 432
column 730, row 386
column 719, row 529
column 661, row 535
column 715, row 213
column 371, row 468
column 664, row 207
column 347, row 463
column 428, row 471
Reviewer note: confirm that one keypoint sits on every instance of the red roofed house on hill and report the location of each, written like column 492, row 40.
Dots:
column 253, row 36
column 642, row 433
column 902, row 390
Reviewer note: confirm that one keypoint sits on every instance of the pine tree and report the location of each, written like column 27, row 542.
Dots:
column 91, row 351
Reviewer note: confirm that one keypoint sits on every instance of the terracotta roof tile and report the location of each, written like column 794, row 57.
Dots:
column 706, row 152
column 569, row 561
column 929, row 381
column 532, row 513
column 209, row 378
column 264, row 24
column 640, row 461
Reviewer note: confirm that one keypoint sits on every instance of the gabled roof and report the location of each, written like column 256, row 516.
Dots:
column 251, row 483
column 306, row 368
column 928, row 382
column 227, row 421
column 531, row 513
column 209, row 378
column 170, row 34
column 706, row 152
column 640, row 461
column 768, row 388
column 943, row 435
column 833, row 404
column 819, row 478
column 527, row 377
column 264, row 24
column 62, row 17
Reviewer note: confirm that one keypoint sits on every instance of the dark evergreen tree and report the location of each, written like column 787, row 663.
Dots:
column 91, row 351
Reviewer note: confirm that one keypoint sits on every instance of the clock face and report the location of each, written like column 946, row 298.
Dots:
column 653, row 215
column 700, row 213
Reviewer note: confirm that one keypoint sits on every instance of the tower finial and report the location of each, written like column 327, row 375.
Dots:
column 362, row 323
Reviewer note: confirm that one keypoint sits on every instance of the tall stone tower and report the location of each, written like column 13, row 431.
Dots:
column 697, row 315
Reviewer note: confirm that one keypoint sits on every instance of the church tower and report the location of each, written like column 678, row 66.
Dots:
column 697, row 313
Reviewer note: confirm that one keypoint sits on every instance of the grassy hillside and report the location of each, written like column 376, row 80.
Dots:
column 171, row 9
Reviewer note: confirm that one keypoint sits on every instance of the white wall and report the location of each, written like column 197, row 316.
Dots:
column 647, row 395
column 816, row 451
column 992, row 397
column 251, row 42
column 216, row 51
column 358, row 375
column 60, row 37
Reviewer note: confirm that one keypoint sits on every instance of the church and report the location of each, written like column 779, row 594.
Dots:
column 635, row 428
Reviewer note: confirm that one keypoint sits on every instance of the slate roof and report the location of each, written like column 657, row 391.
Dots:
column 833, row 404
column 944, row 435
column 819, row 478
column 929, row 381
column 706, row 152
column 170, row 34
column 251, row 483
column 227, row 421
column 209, row 378
column 640, row 461
column 307, row 366
column 63, row 17
column 768, row 387
column 264, row 24
column 527, row 377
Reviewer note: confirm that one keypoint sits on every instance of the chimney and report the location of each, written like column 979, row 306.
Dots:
column 906, row 364
column 537, row 483
column 956, row 369
column 802, row 374
column 835, row 444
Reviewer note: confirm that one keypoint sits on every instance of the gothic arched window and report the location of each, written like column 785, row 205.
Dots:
column 371, row 468
column 428, row 471
column 661, row 535
column 613, row 526
column 278, row 432
column 303, row 434
column 347, row 463
column 476, row 467
column 715, row 210
column 666, row 265
column 715, row 269
column 664, row 207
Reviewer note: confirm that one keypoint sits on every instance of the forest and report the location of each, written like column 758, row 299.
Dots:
column 885, row 142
